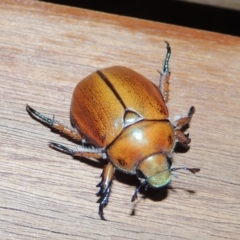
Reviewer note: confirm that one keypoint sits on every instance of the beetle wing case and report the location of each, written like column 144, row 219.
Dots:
column 101, row 100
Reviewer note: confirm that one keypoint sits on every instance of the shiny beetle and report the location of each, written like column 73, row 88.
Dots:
column 121, row 117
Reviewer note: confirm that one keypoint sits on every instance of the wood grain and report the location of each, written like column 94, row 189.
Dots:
column 45, row 50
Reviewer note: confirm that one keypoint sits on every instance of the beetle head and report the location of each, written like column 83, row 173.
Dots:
column 155, row 170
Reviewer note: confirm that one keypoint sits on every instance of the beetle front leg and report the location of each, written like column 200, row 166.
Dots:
column 52, row 123
column 134, row 196
column 184, row 121
column 107, row 174
column 105, row 185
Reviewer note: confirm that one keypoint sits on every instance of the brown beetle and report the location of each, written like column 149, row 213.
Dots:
column 121, row 117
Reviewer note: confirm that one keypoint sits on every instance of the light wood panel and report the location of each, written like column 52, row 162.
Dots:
column 45, row 49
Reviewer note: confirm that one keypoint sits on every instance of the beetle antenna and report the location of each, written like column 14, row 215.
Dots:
column 192, row 170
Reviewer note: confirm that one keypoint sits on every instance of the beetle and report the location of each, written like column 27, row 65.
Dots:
column 121, row 117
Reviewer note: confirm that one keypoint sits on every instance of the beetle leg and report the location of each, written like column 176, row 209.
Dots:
column 134, row 196
column 52, row 123
column 182, row 138
column 107, row 176
column 103, row 203
column 87, row 152
column 182, row 123
column 165, row 75
column 105, row 185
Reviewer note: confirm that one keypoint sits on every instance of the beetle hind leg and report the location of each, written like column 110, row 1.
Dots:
column 182, row 122
column 52, row 123
column 165, row 75
column 105, row 186
column 180, row 125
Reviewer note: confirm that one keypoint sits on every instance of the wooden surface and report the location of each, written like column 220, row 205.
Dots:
column 45, row 50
